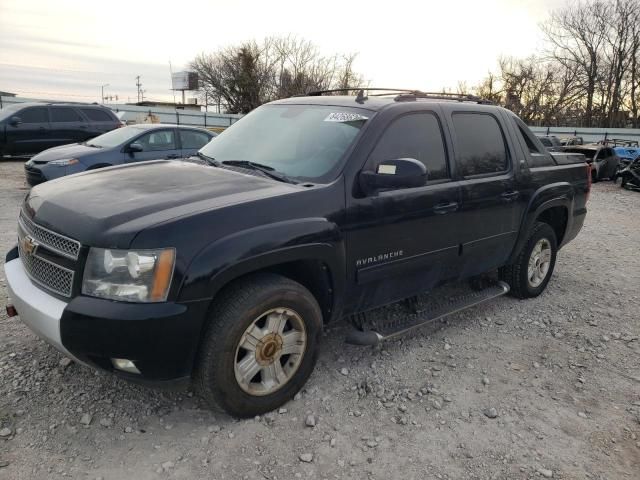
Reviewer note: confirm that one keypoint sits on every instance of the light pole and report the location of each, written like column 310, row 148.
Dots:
column 102, row 91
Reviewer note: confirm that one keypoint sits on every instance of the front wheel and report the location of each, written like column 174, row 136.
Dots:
column 261, row 345
column 531, row 271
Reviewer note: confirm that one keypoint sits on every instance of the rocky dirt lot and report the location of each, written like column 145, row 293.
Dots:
column 545, row 388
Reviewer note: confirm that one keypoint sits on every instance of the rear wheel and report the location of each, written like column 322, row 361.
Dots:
column 531, row 271
column 261, row 345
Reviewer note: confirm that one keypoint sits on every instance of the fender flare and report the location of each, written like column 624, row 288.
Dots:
column 265, row 246
column 539, row 204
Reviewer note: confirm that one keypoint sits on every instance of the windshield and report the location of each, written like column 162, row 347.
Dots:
column 115, row 137
column 300, row 141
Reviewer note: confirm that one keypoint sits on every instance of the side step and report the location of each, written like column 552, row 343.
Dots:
column 398, row 326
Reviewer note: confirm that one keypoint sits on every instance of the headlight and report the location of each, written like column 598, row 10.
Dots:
column 63, row 162
column 134, row 276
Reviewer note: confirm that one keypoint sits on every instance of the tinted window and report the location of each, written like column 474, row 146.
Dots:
column 529, row 140
column 546, row 142
column 96, row 115
column 34, row 115
column 415, row 136
column 159, row 140
column 480, row 147
column 192, row 139
column 65, row 114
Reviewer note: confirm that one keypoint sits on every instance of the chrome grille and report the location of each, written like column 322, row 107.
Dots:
column 53, row 241
column 33, row 239
column 47, row 274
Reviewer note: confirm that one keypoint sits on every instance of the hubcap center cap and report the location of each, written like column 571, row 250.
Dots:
column 268, row 349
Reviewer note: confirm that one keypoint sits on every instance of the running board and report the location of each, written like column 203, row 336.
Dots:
column 396, row 327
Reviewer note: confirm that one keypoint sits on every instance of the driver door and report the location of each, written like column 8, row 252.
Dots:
column 156, row 145
column 403, row 242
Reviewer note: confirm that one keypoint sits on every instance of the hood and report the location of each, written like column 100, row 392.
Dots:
column 108, row 207
column 75, row 150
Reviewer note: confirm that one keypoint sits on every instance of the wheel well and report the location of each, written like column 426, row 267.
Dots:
column 314, row 275
column 556, row 217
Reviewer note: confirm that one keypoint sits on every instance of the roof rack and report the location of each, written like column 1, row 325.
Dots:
column 401, row 94
column 460, row 97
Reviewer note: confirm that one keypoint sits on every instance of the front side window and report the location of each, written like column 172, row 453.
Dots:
column 158, row 140
column 34, row 115
column 65, row 114
column 306, row 142
column 416, row 136
column 480, row 144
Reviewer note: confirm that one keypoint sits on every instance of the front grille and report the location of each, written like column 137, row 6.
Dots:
column 53, row 241
column 41, row 250
column 34, row 175
column 47, row 274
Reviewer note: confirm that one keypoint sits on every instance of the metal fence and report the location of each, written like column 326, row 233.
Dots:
column 589, row 134
column 144, row 114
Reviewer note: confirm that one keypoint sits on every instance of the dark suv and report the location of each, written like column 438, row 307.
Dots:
column 28, row 128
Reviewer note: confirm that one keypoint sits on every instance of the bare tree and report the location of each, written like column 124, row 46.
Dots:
column 577, row 34
column 248, row 75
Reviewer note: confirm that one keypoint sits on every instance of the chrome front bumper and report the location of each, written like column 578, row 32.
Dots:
column 40, row 311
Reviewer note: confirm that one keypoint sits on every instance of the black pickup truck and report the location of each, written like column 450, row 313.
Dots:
column 223, row 270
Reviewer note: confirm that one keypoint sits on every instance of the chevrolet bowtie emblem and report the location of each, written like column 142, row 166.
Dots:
column 28, row 245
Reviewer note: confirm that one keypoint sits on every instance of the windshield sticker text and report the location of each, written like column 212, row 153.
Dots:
column 344, row 117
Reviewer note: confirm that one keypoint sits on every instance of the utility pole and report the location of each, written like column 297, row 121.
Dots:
column 139, row 85
column 102, row 91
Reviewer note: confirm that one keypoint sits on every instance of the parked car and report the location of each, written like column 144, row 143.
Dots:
column 569, row 141
column 630, row 175
column 603, row 160
column 551, row 142
column 28, row 128
column 308, row 210
column 134, row 143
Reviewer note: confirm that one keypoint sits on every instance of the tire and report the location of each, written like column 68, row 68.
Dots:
column 245, row 305
column 517, row 275
column 594, row 176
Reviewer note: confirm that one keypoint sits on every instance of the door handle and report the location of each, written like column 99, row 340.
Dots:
column 443, row 208
column 510, row 195
column 171, row 157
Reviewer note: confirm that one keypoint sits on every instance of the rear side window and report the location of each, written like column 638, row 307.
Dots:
column 481, row 149
column 96, row 115
column 34, row 115
column 192, row 139
column 65, row 114
column 416, row 136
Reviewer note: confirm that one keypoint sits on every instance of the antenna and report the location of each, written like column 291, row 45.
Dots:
column 140, row 91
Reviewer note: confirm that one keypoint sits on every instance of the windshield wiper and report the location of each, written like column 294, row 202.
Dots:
column 265, row 169
column 208, row 159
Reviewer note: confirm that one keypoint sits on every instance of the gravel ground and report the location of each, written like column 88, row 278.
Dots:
column 544, row 388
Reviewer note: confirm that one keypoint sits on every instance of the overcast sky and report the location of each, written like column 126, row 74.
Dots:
column 66, row 49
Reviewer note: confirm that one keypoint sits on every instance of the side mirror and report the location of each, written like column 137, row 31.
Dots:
column 394, row 175
column 15, row 121
column 135, row 147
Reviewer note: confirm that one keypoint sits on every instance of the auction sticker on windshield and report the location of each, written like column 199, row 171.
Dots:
column 344, row 117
